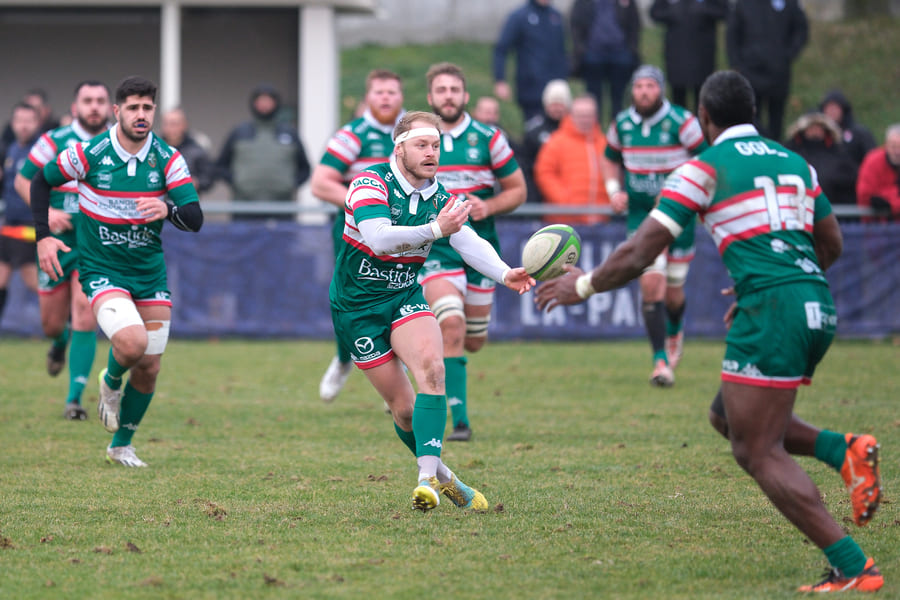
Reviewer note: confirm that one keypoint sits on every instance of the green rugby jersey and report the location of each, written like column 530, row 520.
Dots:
column 758, row 200
column 473, row 157
column 112, row 234
column 358, row 145
column 361, row 277
column 649, row 149
column 45, row 150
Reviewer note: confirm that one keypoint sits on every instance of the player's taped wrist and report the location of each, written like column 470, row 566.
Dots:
column 583, row 287
column 436, row 230
column 612, row 186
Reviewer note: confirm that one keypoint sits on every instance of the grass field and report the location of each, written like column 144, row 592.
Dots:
column 600, row 486
column 856, row 55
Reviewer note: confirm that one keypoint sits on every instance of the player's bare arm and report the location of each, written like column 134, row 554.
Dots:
column 511, row 196
column 612, row 174
column 625, row 264
column 829, row 242
column 327, row 184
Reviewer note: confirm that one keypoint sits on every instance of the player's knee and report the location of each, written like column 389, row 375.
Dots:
column 476, row 332
column 450, row 313
column 52, row 324
column 157, row 336
column 122, row 324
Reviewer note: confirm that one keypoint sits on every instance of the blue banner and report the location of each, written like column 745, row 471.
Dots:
column 257, row 280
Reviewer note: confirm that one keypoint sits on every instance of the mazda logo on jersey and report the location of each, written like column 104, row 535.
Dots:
column 364, row 344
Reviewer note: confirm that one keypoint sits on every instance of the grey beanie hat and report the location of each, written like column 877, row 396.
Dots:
column 649, row 72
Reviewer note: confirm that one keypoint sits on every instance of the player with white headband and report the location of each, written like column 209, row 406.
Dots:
column 394, row 213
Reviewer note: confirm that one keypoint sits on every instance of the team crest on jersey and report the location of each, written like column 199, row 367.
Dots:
column 627, row 126
column 472, row 138
column 665, row 137
column 153, row 179
column 473, row 155
column 151, row 160
column 104, row 179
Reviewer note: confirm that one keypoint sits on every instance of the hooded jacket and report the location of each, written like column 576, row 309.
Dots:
column 834, row 167
column 568, row 171
column 858, row 140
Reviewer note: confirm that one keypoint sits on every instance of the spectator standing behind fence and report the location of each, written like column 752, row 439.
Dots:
column 176, row 132
column 878, row 184
column 263, row 159
column 690, row 43
column 764, row 38
column 605, row 40
column 817, row 138
column 535, row 32
column 569, row 167
column 557, row 101
column 857, row 138
column 17, row 230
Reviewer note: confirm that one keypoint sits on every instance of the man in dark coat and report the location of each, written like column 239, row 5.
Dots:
column 817, row 138
column 764, row 37
column 605, row 40
column 690, row 45
column 536, row 34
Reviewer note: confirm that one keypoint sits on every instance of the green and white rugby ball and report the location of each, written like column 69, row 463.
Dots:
column 549, row 249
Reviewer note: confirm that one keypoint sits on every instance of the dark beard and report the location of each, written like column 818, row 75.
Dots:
column 452, row 118
column 649, row 112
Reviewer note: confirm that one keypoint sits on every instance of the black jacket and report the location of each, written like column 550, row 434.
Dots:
column 690, row 45
column 582, row 18
column 836, row 170
column 201, row 166
column 764, row 37
column 858, row 140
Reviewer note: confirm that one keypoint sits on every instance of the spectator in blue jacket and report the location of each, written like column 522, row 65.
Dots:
column 535, row 32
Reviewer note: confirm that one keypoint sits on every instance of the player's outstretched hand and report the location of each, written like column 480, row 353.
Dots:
column 453, row 216
column 48, row 260
column 561, row 290
column 519, row 280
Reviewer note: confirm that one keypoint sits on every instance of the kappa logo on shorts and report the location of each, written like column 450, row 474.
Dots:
column 364, row 344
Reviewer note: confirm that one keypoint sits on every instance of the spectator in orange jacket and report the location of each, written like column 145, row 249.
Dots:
column 568, row 167
column 878, row 183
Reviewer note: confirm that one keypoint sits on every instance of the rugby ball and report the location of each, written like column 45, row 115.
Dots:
column 549, row 249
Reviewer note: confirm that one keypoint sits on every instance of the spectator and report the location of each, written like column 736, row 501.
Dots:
column 535, row 33
column 858, row 140
column 263, row 159
column 36, row 98
column 817, row 138
column 878, row 184
column 690, row 44
column 176, row 133
column 569, row 169
column 557, row 101
column 17, row 249
column 487, row 110
column 763, row 39
column 605, row 40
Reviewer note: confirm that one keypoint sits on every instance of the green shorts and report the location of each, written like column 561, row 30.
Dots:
column 144, row 289
column 779, row 335
column 69, row 263
column 366, row 334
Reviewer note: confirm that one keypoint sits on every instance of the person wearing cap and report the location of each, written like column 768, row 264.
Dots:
column 395, row 212
column 645, row 143
column 263, row 159
column 557, row 102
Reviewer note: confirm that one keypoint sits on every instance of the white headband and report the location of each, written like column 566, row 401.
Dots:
column 417, row 132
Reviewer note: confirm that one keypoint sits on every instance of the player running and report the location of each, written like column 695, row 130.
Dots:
column 648, row 141
column 123, row 178
column 361, row 143
column 394, row 213
column 776, row 234
column 475, row 160
column 62, row 300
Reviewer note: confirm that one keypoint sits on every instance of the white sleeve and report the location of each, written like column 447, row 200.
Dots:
column 479, row 254
column 384, row 238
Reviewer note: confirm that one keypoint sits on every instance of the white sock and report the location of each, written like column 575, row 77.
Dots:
column 428, row 466
column 444, row 474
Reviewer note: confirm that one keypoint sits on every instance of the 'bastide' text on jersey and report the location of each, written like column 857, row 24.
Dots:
column 113, row 234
